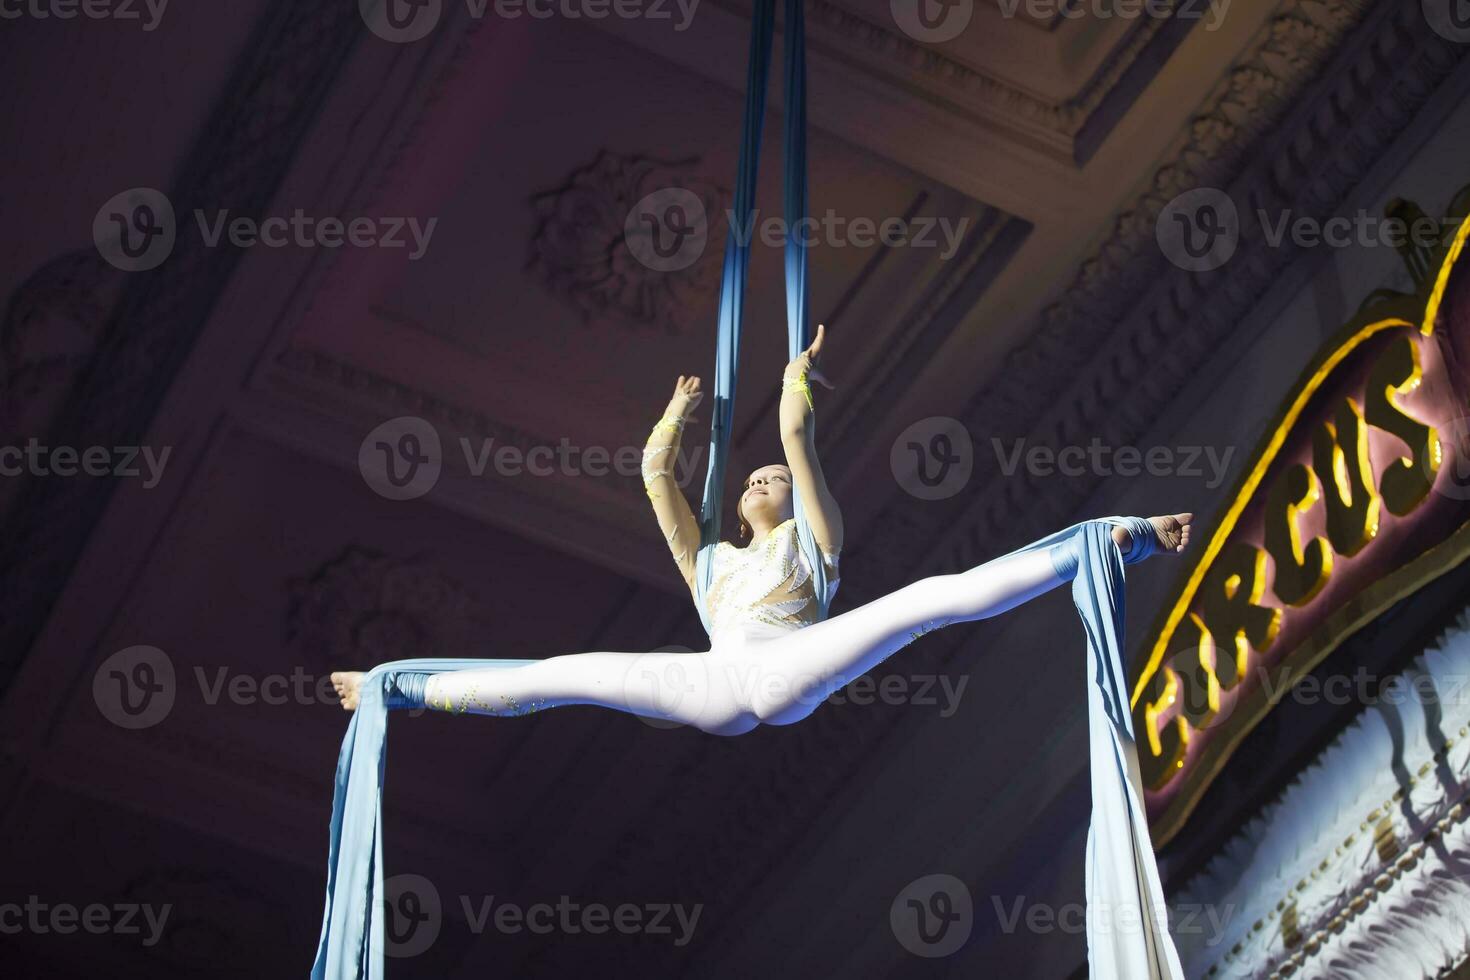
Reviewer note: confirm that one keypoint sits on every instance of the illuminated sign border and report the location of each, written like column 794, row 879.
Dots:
column 1399, row 312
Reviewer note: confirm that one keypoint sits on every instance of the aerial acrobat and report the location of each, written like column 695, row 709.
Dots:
column 774, row 653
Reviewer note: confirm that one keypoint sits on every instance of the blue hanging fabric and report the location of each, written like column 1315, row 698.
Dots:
column 733, row 279
column 798, row 328
column 351, row 943
column 1127, row 917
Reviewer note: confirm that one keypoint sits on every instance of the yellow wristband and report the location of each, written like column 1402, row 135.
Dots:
column 798, row 382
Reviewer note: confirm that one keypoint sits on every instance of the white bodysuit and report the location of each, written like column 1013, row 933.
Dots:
column 770, row 660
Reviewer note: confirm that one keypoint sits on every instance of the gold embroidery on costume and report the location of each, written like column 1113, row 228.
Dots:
column 768, row 585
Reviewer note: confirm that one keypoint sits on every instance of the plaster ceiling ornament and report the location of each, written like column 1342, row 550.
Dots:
column 51, row 327
column 631, row 239
column 365, row 607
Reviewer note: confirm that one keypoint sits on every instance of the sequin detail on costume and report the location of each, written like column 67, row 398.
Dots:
column 771, row 585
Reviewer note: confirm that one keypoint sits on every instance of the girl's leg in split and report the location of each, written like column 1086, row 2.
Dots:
column 680, row 687
column 801, row 670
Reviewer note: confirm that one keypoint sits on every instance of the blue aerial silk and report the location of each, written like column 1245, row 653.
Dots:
column 1127, row 919
column 1121, row 872
column 732, row 284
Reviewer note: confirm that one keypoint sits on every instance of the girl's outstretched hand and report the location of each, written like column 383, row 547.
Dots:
column 687, row 396
column 806, row 361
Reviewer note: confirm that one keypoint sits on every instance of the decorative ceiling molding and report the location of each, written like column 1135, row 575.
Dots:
column 581, row 253
column 834, row 30
column 366, row 607
column 322, row 369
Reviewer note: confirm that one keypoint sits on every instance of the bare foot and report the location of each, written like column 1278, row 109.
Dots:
column 347, row 683
column 1170, row 530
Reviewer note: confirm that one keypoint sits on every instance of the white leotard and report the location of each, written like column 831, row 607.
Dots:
column 765, row 590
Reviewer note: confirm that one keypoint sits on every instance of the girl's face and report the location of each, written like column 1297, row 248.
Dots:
column 765, row 496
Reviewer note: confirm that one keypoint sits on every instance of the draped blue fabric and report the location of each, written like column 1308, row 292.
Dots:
column 732, row 283
column 351, row 944
column 1127, row 919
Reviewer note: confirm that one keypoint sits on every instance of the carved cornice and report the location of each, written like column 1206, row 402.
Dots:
column 388, row 394
column 365, row 607
column 581, row 250
column 833, row 29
